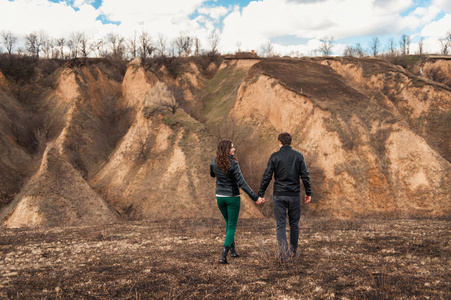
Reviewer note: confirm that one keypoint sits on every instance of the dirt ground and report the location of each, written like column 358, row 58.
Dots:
column 177, row 259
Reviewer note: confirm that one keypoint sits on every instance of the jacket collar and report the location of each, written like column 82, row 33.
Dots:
column 285, row 147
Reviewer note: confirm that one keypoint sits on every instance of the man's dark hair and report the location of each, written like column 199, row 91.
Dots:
column 284, row 138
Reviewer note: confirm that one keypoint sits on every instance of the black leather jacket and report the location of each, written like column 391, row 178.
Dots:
column 287, row 165
column 228, row 183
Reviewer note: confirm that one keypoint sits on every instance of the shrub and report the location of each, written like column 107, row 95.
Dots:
column 19, row 69
column 436, row 74
column 160, row 97
column 174, row 65
column 115, row 119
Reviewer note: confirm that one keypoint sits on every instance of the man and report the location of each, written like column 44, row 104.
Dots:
column 288, row 166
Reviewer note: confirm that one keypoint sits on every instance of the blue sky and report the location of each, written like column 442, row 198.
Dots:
column 293, row 27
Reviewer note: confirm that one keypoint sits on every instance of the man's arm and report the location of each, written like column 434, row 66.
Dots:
column 305, row 177
column 267, row 176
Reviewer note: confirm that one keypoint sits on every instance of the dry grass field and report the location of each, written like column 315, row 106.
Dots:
column 177, row 259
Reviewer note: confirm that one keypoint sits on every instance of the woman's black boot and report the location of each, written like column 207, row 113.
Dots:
column 223, row 258
column 233, row 252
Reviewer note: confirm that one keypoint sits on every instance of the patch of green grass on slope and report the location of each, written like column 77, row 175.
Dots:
column 220, row 93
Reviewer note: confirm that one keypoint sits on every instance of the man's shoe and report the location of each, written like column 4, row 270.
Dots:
column 284, row 260
column 223, row 258
column 233, row 252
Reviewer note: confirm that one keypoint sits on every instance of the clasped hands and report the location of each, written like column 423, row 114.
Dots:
column 260, row 200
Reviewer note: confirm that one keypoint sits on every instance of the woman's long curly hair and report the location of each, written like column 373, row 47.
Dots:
column 222, row 158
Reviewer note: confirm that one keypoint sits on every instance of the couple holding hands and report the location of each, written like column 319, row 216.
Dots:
column 288, row 167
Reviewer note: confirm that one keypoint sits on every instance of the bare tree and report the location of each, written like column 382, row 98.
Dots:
column 404, row 44
column 74, row 43
column 117, row 44
column 98, row 47
column 374, row 45
column 176, row 91
column 145, row 147
column 359, row 50
column 42, row 39
column 213, row 40
column 53, row 48
column 85, row 48
column 444, row 46
column 173, row 48
column 120, row 49
column 391, row 46
column 350, row 51
column 132, row 45
column 327, row 43
column 161, row 97
column 145, row 48
column 31, row 42
column 420, row 46
column 47, row 48
column 197, row 46
column 184, row 43
column 161, row 45
column 409, row 41
column 296, row 53
column 238, row 47
column 354, row 51
column 50, row 126
column 268, row 49
column 9, row 41
column 60, row 43
column 445, row 43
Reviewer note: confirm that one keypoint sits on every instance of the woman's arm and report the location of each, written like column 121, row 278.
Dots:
column 212, row 173
column 236, row 171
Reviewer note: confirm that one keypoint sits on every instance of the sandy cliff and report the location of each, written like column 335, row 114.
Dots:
column 369, row 158
column 375, row 138
column 58, row 193
column 160, row 167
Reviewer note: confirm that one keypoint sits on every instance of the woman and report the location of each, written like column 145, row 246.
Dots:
column 228, row 181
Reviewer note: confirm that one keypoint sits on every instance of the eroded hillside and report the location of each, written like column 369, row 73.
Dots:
column 375, row 138
column 365, row 155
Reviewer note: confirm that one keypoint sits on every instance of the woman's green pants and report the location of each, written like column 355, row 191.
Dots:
column 230, row 209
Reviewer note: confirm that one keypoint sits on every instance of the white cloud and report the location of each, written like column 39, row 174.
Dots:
column 260, row 21
column 134, row 11
column 310, row 49
column 420, row 16
column 253, row 25
column 438, row 28
column 435, row 31
column 78, row 3
column 443, row 4
column 426, row 14
column 56, row 19
column 168, row 17
column 213, row 12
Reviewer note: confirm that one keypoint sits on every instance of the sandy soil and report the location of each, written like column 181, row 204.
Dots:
column 177, row 259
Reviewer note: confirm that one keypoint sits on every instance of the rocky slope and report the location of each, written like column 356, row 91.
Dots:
column 366, row 156
column 375, row 137
column 58, row 193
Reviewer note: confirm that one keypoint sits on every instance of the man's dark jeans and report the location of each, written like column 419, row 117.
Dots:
column 282, row 204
